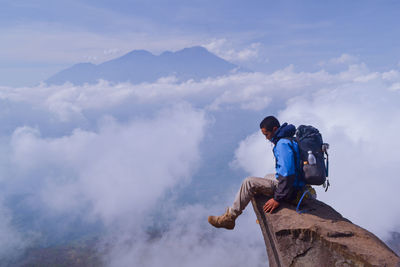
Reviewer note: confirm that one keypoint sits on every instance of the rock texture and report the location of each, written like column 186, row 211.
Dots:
column 319, row 237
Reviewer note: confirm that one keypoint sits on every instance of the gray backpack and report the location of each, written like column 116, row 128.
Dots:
column 308, row 139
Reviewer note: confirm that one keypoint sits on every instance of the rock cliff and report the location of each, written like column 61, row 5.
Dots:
column 319, row 237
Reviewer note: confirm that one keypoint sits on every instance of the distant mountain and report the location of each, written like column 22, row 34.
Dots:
column 142, row 66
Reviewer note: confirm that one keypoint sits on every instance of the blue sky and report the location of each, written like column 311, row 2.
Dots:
column 39, row 38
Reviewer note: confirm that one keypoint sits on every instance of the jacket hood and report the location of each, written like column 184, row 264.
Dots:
column 286, row 130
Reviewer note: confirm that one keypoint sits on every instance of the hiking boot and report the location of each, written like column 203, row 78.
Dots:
column 227, row 220
column 312, row 191
column 312, row 194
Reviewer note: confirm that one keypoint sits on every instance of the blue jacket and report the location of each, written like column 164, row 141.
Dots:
column 287, row 165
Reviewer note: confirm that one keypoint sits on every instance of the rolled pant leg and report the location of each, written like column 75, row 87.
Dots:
column 251, row 186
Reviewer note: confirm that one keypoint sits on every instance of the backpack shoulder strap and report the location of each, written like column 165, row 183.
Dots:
column 296, row 165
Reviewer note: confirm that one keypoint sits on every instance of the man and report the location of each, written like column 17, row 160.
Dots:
column 283, row 186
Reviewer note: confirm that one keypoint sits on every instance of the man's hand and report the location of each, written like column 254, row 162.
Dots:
column 271, row 205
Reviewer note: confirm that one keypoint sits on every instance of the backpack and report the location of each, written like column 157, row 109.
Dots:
column 309, row 138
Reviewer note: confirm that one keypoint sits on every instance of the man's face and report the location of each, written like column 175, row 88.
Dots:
column 269, row 134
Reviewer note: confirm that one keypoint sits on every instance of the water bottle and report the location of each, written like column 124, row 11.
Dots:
column 311, row 158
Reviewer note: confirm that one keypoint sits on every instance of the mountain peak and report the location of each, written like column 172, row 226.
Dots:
column 199, row 50
column 140, row 66
column 196, row 49
column 139, row 52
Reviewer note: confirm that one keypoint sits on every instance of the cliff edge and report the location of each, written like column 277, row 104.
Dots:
column 319, row 237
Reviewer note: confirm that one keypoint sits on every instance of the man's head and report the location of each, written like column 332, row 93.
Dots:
column 269, row 126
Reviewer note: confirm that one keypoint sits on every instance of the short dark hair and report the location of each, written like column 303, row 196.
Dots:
column 269, row 123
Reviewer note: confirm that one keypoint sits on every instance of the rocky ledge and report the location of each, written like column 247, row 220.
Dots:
column 318, row 237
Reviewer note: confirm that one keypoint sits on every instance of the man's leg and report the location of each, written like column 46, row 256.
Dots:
column 250, row 186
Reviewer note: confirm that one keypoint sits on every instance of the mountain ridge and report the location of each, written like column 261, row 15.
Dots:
column 139, row 66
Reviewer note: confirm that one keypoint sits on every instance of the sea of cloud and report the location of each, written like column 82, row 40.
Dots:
column 117, row 154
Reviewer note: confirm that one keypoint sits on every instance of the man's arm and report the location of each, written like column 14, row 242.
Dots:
column 285, row 170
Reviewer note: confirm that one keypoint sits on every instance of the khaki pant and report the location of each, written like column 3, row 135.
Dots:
column 251, row 186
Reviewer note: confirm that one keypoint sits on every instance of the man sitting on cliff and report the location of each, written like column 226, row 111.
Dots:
column 283, row 186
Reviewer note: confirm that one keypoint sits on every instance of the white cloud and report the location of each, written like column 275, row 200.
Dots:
column 249, row 91
column 255, row 145
column 12, row 242
column 395, row 87
column 121, row 170
column 359, row 116
column 226, row 50
column 111, row 152
column 111, row 51
column 392, row 75
column 191, row 241
column 343, row 59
